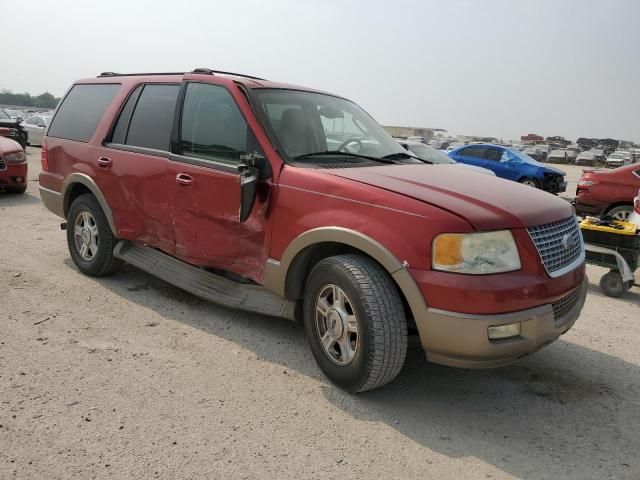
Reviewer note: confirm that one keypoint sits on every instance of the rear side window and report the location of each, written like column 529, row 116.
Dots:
column 212, row 126
column 475, row 152
column 494, row 154
column 81, row 111
column 152, row 118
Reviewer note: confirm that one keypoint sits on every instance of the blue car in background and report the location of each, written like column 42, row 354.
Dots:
column 513, row 165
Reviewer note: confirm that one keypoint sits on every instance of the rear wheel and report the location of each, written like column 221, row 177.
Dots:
column 622, row 212
column 530, row 182
column 355, row 322
column 90, row 239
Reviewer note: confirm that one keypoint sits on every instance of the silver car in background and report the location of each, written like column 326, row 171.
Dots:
column 36, row 125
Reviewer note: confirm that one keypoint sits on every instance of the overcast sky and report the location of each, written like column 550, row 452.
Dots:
column 494, row 67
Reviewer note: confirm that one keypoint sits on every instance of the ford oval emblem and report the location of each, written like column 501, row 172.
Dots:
column 567, row 241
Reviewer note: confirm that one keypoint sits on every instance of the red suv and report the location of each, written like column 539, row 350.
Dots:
column 295, row 203
column 611, row 192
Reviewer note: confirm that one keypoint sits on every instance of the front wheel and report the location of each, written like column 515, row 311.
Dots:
column 90, row 239
column 622, row 212
column 530, row 182
column 355, row 322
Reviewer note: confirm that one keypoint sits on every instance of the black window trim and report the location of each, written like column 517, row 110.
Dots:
column 134, row 148
column 109, row 136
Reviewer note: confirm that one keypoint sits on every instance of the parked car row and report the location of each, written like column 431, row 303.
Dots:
column 29, row 126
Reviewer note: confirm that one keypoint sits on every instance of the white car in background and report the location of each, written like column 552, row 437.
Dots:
column 431, row 155
column 36, row 125
column 559, row 156
column 618, row 159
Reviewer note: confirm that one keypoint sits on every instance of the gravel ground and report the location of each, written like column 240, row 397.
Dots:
column 128, row 377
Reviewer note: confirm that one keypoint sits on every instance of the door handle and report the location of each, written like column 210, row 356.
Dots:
column 184, row 179
column 105, row 162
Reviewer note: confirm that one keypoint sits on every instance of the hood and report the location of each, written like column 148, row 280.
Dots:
column 6, row 122
column 545, row 167
column 473, row 168
column 486, row 202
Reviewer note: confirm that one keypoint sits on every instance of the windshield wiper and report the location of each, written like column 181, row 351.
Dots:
column 336, row 153
column 401, row 155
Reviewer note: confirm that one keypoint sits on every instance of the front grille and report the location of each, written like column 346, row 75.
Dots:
column 3, row 165
column 565, row 304
column 559, row 244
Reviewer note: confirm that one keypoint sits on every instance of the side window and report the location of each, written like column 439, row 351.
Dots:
column 81, row 111
column 475, row 152
column 152, row 119
column 212, row 126
column 39, row 122
column 119, row 134
column 493, row 154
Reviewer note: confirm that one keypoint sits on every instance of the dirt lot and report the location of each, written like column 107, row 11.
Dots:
column 128, row 377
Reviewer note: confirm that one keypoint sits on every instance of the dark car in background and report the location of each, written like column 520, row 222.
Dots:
column 513, row 165
column 608, row 192
column 15, row 131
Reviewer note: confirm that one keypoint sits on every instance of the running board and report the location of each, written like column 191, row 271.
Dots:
column 204, row 284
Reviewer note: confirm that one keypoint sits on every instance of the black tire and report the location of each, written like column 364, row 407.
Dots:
column 23, row 141
column 532, row 182
column 382, row 326
column 103, row 262
column 621, row 212
column 612, row 285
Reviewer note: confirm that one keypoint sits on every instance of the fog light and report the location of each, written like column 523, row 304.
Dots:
column 19, row 179
column 504, row 331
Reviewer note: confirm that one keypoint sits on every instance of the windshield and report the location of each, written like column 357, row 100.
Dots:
column 4, row 116
column 430, row 154
column 305, row 123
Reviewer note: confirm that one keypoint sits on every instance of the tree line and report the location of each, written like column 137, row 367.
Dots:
column 44, row 100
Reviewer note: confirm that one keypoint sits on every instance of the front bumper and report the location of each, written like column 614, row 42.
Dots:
column 461, row 339
column 554, row 184
column 13, row 174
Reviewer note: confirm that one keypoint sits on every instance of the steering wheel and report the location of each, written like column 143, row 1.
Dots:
column 344, row 144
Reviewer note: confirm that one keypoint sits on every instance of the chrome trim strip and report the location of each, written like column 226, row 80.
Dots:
column 48, row 190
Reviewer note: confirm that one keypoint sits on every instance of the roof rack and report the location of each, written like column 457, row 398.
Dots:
column 208, row 71
column 114, row 74
column 204, row 71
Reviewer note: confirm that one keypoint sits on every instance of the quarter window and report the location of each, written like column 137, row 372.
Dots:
column 81, row 110
column 212, row 126
column 152, row 119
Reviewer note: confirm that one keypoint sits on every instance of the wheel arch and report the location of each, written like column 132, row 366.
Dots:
column 77, row 184
column 618, row 204
column 287, row 276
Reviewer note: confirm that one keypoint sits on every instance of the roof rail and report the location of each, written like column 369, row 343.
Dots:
column 114, row 74
column 208, row 71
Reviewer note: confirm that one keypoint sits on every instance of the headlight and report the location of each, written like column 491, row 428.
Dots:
column 17, row 157
column 476, row 253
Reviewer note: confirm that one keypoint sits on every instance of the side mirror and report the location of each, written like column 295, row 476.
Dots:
column 254, row 167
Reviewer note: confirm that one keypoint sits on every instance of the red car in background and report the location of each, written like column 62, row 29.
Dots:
column 611, row 192
column 13, row 165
